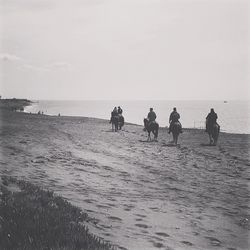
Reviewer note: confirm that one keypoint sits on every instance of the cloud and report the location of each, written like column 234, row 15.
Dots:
column 9, row 57
column 5, row 57
column 64, row 65
column 33, row 68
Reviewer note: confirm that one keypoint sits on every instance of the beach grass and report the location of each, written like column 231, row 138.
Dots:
column 32, row 218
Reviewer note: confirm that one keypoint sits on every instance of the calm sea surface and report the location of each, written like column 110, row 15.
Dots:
column 233, row 116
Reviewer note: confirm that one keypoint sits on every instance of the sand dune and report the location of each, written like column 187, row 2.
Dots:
column 142, row 195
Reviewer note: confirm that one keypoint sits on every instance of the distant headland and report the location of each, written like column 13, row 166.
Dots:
column 14, row 104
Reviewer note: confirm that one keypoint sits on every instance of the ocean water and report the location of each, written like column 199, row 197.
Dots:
column 233, row 116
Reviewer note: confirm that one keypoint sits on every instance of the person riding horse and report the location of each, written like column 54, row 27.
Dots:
column 119, row 110
column 150, row 125
column 113, row 114
column 151, row 116
column 211, row 120
column 212, row 127
column 117, row 119
column 173, row 118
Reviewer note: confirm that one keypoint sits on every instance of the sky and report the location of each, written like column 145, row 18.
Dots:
column 124, row 49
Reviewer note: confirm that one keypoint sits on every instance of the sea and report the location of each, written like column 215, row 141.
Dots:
column 233, row 116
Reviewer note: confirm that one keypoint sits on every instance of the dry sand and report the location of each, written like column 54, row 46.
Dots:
column 143, row 195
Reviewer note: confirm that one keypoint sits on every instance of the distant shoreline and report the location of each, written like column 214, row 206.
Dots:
column 15, row 104
column 68, row 117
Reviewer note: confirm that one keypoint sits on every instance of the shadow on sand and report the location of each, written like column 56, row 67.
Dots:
column 109, row 131
column 207, row 145
column 170, row 144
column 147, row 141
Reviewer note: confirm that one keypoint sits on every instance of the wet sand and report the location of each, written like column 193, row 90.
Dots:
column 143, row 195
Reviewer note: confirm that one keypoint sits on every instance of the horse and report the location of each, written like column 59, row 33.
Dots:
column 176, row 128
column 117, row 122
column 151, row 127
column 213, row 133
column 120, row 122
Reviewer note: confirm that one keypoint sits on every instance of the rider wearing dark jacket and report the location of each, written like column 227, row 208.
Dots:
column 174, row 117
column 211, row 119
column 119, row 110
column 151, row 115
column 113, row 114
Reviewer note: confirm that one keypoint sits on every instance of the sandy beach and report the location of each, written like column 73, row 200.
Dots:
column 142, row 195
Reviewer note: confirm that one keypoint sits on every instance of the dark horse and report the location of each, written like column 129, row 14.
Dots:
column 213, row 132
column 117, row 122
column 151, row 127
column 176, row 128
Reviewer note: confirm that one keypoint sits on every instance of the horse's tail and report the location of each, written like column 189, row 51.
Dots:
column 176, row 128
column 122, row 120
column 156, row 129
column 216, row 130
column 145, row 122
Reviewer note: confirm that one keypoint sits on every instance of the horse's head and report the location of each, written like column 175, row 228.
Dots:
column 145, row 121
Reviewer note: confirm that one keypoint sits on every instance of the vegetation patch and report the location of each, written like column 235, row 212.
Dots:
column 14, row 104
column 32, row 218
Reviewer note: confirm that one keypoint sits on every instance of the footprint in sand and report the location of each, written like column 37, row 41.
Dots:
column 187, row 243
column 139, row 219
column 214, row 241
column 129, row 207
column 89, row 201
column 156, row 209
column 114, row 218
column 141, row 225
column 23, row 142
column 102, row 206
column 122, row 248
column 196, row 233
column 140, row 215
column 157, row 244
column 107, row 234
column 162, row 234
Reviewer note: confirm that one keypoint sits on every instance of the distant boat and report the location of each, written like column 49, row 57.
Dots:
column 225, row 101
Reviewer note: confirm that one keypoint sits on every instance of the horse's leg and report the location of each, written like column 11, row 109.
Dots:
column 176, row 138
column 149, row 137
column 156, row 132
column 155, row 135
column 211, row 139
column 215, row 138
column 116, row 125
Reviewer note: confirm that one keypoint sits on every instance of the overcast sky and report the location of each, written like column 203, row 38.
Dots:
column 124, row 49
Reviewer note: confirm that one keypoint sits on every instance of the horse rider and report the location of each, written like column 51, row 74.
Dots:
column 211, row 119
column 151, row 116
column 174, row 117
column 119, row 110
column 114, row 113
